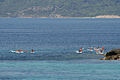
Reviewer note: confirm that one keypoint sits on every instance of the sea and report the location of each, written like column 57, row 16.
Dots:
column 55, row 42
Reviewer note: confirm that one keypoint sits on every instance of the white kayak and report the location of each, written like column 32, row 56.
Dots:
column 100, row 52
column 78, row 52
column 32, row 52
column 11, row 51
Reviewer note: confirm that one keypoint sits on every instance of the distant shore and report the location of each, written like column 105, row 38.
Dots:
column 100, row 16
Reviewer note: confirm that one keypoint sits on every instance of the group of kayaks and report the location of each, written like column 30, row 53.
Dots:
column 97, row 50
column 21, row 51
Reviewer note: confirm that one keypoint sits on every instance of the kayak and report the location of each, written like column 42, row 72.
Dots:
column 99, row 52
column 78, row 52
column 32, row 52
column 12, row 51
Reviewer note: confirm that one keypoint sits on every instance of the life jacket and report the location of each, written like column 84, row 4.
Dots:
column 80, row 50
column 97, row 51
column 102, row 47
column 91, row 49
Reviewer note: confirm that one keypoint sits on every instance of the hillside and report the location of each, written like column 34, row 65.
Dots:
column 58, row 8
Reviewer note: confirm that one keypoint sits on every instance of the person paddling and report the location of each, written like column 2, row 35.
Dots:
column 80, row 50
column 32, row 50
column 98, row 47
column 25, row 51
column 91, row 49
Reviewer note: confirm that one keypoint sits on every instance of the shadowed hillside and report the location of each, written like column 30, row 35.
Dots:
column 58, row 8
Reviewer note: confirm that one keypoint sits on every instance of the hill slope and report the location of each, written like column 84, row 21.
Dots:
column 58, row 8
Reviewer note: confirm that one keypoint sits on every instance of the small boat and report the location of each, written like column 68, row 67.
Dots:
column 19, row 52
column 11, row 51
column 100, row 51
column 78, row 52
column 32, row 52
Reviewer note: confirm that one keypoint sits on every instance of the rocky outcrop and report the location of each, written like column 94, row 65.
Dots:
column 112, row 55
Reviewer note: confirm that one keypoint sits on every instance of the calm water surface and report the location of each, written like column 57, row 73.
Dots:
column 55, row 42
column 60, row 70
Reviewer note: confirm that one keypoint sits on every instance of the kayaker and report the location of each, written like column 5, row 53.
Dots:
column 25, row 51
column 80, row 50
column 98, row 47
column 91, row 49
column 32, row 50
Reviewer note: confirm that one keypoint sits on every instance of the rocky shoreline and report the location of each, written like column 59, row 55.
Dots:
column 112, row 55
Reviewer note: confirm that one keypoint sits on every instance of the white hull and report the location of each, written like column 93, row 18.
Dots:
column 78, row 52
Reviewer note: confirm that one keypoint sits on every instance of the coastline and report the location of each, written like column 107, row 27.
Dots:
column 60, row 17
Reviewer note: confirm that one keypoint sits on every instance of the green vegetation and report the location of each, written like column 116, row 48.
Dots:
column 53, row 8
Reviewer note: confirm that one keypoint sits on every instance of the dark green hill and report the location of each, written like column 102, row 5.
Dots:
column 53, row 8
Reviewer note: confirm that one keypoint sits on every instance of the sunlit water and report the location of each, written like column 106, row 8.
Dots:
column 55, row 42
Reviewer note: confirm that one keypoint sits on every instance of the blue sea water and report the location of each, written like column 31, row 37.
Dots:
column 55, row 42
column 60, row 70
